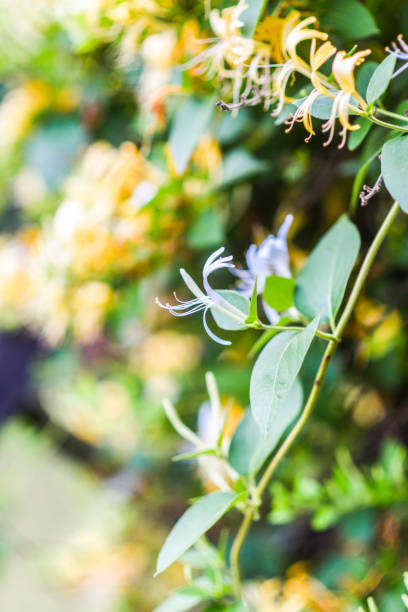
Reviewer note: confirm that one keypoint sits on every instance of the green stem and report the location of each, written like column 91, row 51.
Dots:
column 312, row 399
column 385, row 124
column 319, row 333
column 388, row 113
column 365, row 268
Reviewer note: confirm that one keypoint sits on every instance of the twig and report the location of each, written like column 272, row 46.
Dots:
column 244, row 101
column 368, row 192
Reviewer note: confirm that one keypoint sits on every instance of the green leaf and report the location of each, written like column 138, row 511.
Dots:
column 191, row 121
column 381, row 78
column 193, row 524
column 363, row 76
column 275, row 372
column 322, row 281
column 350, row 19
column 240, row 165
column 249, row 449
column 239, row 301
column 253, row 307
column 179, row 602
column 207, row 230
column 357, row 137
column 267, row 335
column 394, row 168
column 251, row 16
column 279, row 292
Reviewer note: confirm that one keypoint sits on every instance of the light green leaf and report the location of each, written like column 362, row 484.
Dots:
column 251, row 16
column 179, row 602
column 207, row 230
column 253, row 307
column 322, row 281
column 394, row 168
column 193, row 524
column 239, row 301
column 381, row 78
column 240, row 165
column 275, row 372
column 191, row 121
column 350, row 19
column 249, row 449
column 363, row 76
column 279, row 292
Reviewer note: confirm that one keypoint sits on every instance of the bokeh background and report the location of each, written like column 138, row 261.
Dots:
column 117, row 169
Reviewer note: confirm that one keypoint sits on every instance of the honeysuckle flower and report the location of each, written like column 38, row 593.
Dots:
column 304, row 112
column 344, row 100
column 210, row 437
column 211, row 299
column 270, row 258
column 293, row 33
column 401, row 53
column 230, row 50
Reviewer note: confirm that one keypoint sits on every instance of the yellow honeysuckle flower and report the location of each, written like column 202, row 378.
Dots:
column 293, row 33
column 317, row 59
column 343, row 71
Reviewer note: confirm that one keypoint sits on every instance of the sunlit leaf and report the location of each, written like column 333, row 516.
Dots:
column 279, row 292
column 193, row 524
column 275, row 372
column 322, row 281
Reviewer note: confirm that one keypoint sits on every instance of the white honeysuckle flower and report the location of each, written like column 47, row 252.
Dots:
column 270, row 258
column 209, row 300
column 214, row 468
column 401, row 53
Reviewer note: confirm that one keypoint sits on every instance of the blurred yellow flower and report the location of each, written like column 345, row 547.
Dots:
column 18, row 110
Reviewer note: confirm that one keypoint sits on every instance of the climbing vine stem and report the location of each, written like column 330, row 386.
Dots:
column 311, row 401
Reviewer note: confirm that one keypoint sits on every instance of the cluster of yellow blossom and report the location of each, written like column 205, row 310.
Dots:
column 298, row 592
column 56, row 275
column 248, row 61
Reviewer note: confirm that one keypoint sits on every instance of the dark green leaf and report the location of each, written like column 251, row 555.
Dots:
column 357, row 137
column 275, row 372
column 350, row 19
column 279, row 292
column 322, row 281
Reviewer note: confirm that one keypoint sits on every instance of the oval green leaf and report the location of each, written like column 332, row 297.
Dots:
column 193, row 524
column 248, row 449
column 191, row 121
column 275, row 372
column 394, row 168
column 322, row 281
column 380, row 78
column 237, row 300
